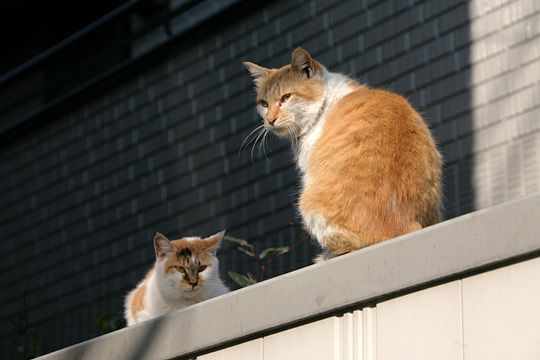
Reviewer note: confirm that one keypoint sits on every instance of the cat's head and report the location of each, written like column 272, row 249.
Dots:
column 290, row 97
column 189, row 263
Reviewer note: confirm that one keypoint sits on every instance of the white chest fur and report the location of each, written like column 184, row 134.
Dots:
column 336, row 87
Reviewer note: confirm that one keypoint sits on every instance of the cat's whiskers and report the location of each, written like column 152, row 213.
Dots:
column 259, row 136
column 250, row 135
column 263, row 143
column 293, row 131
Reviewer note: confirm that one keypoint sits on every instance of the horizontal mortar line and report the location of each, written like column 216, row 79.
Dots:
column 285, row 50
column 158, row 186
column 503, row 119
column 504, row 72
column 104, row 245
column 471, row 89
column 112, row 224
column 112, row 106
column 503, row 142
column 496, row 8
column 138, row 161
column 514, row 22
column 111, row 141
column 420, row 45
column 158, row 115
column 70, row 276
column 135, row 162
column 104, row 230
column 114, row 70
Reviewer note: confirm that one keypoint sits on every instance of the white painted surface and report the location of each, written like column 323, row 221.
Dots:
column 352, row 336
column 424, row 325
column 442, row 250
column 348, row 337
column 251, row 350
column 369, row 334
column 501, row 311
column 320, row 340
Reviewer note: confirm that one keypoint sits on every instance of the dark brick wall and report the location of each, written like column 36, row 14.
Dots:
column 82, row 196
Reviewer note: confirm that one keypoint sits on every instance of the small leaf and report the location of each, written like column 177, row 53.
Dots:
column 241, row 242
column 108, row 322
column 272, row 252
column 247, row 252
column 241, row 279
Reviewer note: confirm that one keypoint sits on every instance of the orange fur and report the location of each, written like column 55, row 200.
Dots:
column 375, row 171
column 137, row 302
column 371, row 170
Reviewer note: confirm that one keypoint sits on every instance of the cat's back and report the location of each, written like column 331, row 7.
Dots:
column 376, row 114
column 375, row 166
column 380, row 126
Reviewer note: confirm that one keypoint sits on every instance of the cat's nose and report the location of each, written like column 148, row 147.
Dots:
column 271, row 121
column 193, row 284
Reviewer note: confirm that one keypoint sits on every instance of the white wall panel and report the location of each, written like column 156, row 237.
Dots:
column 352, row 336
column 320, row 340
column 501, row 313
column 424, row 325
column 369, row 334
column 251, row 350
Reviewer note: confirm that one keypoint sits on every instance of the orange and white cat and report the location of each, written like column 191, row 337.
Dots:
column 369, row 166
column 185, row 272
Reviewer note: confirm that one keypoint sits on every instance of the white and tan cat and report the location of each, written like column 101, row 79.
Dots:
column 185, row 272
column 369, row 166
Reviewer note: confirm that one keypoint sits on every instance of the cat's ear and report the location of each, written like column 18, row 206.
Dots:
column 304, row 64
column 258, row 72
column 162, row 246
column 214, row 242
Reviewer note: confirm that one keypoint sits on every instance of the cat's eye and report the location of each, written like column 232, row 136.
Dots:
column 285, row 97
column 181, row 269
column 263, row 103
column 201, row 268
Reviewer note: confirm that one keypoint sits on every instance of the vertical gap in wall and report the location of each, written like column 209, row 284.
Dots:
column 262, row 349
column 357, row 336
column 462, row 321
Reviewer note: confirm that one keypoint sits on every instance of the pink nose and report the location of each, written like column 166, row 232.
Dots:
column 271, row 121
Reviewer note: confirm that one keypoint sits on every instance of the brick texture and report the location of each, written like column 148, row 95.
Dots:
column 82, row 196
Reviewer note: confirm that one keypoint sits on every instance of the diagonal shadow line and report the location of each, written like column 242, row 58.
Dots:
column 142, row 335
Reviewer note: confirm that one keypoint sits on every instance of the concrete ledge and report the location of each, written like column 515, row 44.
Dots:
column 438, row 253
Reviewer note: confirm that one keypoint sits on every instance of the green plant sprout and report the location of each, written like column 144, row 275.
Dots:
column 108, row 322
column 263, row 259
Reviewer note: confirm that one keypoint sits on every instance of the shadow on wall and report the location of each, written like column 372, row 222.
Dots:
column 159, row 152
column 428, row 61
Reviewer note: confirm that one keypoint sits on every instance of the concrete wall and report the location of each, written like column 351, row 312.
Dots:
column 464, row 289
column 474, row 318
column 82, row 195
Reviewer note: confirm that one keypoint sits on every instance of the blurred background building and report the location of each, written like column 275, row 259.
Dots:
column 122, row 118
